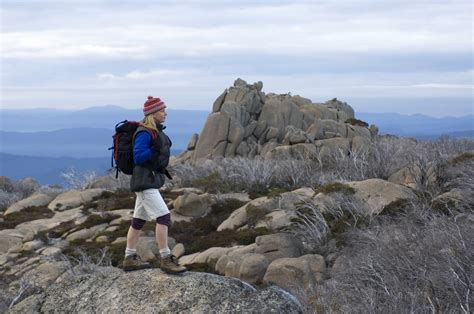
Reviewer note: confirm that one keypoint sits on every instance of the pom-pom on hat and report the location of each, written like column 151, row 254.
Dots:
column 153, row 105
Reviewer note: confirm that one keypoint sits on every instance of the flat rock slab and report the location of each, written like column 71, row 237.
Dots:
column 152, row 291
column 35, row 200
column 74, row 198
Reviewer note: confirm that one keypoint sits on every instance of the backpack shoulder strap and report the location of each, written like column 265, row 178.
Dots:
column 142, row 128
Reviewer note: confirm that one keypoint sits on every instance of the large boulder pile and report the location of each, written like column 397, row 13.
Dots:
column 247, row 122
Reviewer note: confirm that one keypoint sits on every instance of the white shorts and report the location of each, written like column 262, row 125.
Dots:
column 150, row 205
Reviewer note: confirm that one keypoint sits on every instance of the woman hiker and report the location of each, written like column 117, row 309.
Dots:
column 151, row 153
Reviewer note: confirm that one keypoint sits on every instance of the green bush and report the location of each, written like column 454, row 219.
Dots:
column 254, row 214
column 6, row 184
column 93, row 250
column 200, row 233
column 112, row 201
column 225, row 238
column 256, row 191
column 57, row 232
column 94, row 220
column 462, row 158
column 210, row 183
column 204, row 225
column 395, row 208
column 335, row 187
column 120, row 232
column 357, row 122
column 32, row 213
column 67, row 226
column 116, row 252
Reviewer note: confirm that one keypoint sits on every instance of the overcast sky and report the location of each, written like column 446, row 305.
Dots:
column 378, row 56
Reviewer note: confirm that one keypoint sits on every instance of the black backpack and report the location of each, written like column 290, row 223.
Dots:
column 122, row 149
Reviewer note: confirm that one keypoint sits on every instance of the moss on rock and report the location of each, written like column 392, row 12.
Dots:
column 335, row 187
column 353, row 121
column 200, row 233
column 27, row 214
column 254, row 214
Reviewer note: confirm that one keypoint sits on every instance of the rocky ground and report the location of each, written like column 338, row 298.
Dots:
column 254, row 240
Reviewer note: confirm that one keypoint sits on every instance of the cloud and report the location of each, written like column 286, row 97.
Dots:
column 285, row 28
column 97, row 52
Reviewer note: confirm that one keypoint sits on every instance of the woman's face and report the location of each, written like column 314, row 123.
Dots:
column 160, row 115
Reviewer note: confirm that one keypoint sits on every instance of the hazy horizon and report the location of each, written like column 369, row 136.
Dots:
column 378, row 56
column 210, row 109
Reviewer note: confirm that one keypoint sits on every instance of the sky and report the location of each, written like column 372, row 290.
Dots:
column 378, row 56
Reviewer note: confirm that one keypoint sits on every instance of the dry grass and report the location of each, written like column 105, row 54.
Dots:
column 387, row 155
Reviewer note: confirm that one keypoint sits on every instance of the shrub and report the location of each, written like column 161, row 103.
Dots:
column 95, row 219
column 14, row 191
column 357, row 122
column 468, row 156
column 111, row 201
column 78, row 180
column 316, row 226
column 87, row 260
column 204, row 225
column 387, row 155
column 91, row 254
column 57, row 232
column 271, row 192
column 335, row 187
column 415, row 264
column 459, row 173
column 7, row 199
column 395, row 208
column 200, row 234
column 6, row 184
column 32, row 213
column 254, row 214
column 225, row 238
column 112, row 182
column 209, row 183
column 120, row 232
column 407, row 259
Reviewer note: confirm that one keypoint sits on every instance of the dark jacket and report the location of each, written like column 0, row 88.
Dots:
column 151, row 156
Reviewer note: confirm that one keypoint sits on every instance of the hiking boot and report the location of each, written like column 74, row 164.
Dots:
column 134, row 262
column 170, row 265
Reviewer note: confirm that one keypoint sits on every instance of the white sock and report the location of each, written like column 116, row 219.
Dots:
column 129, row 252
column 165, row 252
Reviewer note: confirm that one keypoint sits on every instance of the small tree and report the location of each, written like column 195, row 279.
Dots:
column 78, row 180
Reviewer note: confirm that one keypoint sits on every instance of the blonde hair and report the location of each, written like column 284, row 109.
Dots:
column 149, row 122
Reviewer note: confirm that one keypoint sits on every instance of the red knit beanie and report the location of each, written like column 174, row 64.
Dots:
column 153, row 105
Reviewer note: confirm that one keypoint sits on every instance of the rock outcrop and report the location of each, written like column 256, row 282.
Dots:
column 152, row 291
column 74, row 198
column 250, row 263
column 272, row 213
column 193, row 205
column 292, row 273
column 35, row 200
column 247, row 122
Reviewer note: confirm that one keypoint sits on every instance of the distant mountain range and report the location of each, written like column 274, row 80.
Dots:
column 42, row 143
column 47, row 170
column 420, row 126
column 105, row 117
column 82, row 133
